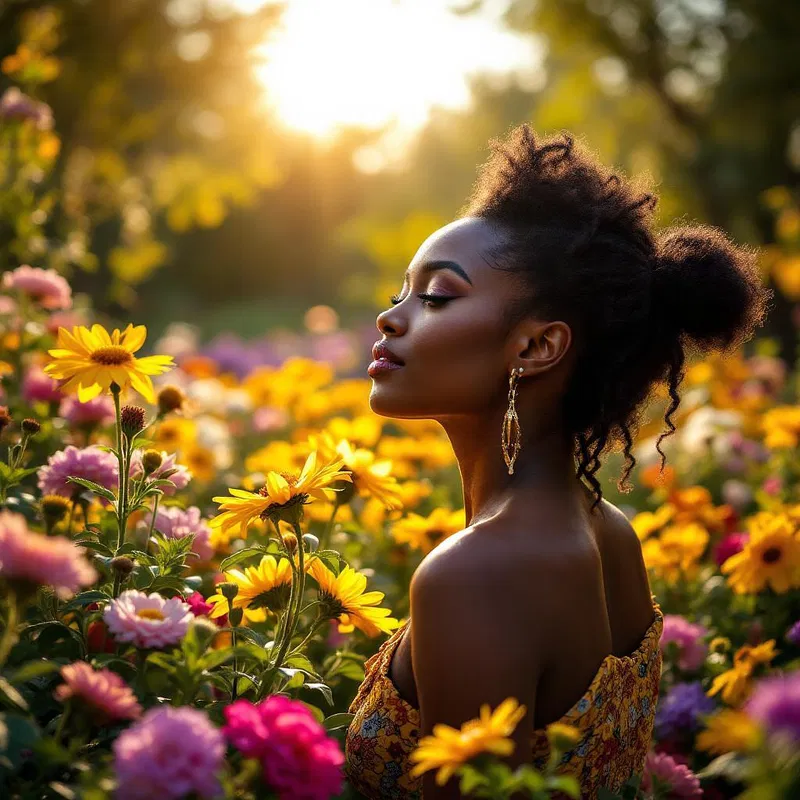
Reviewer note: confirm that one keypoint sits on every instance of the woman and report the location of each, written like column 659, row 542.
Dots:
column 533, row 328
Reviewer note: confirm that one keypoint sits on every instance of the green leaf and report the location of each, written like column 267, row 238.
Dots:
column 94, row 487
column 350, row 669
column 86, row 598
column 730, row 765
column 33, row 669
column 295, row 682
column 568, row 784
column 93, row 544
column 255, row 637
column 9, row 696
column 323, row 689
column 335, row 721
column 17, row 734
column 239, row 556
column 215, row 659
column 471, row 779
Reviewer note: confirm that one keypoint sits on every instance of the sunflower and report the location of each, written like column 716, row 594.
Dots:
column 449, row 748
column 771, row 557
column 263, row 589
column 424, row 533
column 728, row 731
column 91, row 360
column 345, row 599
column 734, row 684
column 282, row 497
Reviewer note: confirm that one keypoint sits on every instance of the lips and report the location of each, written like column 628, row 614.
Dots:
column 380, row 352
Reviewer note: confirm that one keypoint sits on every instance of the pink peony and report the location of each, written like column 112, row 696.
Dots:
column 179, row 478
column 49, row 560
column 175, row 523
column 92, row 463
column 147, row 620
column 38, row 387
column 169, row 754
column 97, row 411
column 44, row 286
column 105, row 691
column 732, row 544
column 680, row 780
column 300, row 761
column 692, row 650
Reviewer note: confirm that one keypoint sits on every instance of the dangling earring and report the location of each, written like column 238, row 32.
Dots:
column 512, row 433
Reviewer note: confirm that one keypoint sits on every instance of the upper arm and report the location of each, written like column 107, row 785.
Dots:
column 466, row 653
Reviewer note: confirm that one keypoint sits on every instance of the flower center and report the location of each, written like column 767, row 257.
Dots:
column 150, row 613
column 771, row 555
column 111, row 356
column 435, row 534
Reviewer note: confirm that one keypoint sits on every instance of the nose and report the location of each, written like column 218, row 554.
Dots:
column 390, row 322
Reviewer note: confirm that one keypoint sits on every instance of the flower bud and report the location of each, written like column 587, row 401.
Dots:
column 54, row 508
column 345, row 492
column 132, row 418
column 229, row 591
column 171, row 398
column 123, row 566
column 151, row 461
column 31, row 426
column 204, row 630
column 235, row 617
column 289, row 542
column 311, row 542
column 5, row 418
column 719, row 644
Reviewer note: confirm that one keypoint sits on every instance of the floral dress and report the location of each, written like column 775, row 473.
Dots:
column 615, row 716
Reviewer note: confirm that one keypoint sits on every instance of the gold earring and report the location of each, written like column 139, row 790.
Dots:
column 512, row 432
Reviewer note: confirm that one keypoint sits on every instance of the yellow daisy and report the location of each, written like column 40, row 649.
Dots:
column 346, row 600
column 263, row 589
column 734, row 685
column 91, row 360
column 424, row 533
column 282, row 496
column 449, row 748
column 728, row 731
column 771, row 557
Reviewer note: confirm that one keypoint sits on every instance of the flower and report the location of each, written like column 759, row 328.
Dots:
column 14, row 105
column 91, row 360
column 771, row 557
column 775, row 704
column 175, row 523
column 677, row 551
column 92, row 463
column 424, row 533
column 103, row 690
column 678, row 778
column 732, row 544
column 734, row 684
column 39, row 387
column 688, row 637
column 371, row 477
column 728, row 731
column 345, row 599
column 679, row 711
column 449, row 748
column 168, row 754
column 176, row 474
column 44, row 286
column 793, row 634
column 298, row 758
column 97, row 411
column 201, row 608
column 147, row 620
column 28, row 557
column 262, row 589
column 280, row 498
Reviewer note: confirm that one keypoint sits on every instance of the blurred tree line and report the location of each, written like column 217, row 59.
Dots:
column 190, row 199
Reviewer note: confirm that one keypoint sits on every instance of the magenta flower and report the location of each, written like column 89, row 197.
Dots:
column 38, row 387
column 732, row 544
column 201, row 608
column 775, row 703
column 179, row 478
column 147, row 620
column 793, row 634
column 97, row 411
column 169, row 754
column 41, row 560
column 44, row 286
column 92, row 463
column 14, row 105
column 175, row 523
column 103, row 690
column 680, row 780
column 299, row 759
column 688, row 637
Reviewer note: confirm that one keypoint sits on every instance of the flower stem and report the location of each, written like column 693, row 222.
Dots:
column 235, row 683
column 10, row 633
column 152, row 523
column 123, row 453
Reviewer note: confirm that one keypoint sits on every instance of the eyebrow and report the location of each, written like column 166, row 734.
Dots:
column 433, row 266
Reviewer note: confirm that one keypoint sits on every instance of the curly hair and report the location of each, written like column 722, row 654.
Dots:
column 582, row 239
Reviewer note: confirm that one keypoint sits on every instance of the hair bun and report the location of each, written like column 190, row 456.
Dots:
column 706, row 287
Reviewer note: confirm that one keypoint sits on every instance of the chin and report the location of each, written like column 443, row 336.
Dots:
column 386, row 403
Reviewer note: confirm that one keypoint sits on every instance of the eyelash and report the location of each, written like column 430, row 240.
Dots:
column 429, row 300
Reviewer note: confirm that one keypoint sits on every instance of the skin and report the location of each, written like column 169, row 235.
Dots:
column 538, row 589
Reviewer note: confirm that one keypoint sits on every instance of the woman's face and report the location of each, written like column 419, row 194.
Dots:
column 449, row 329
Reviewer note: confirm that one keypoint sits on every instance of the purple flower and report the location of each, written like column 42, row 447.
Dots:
column 14, row 105
column 97, row 411
column 179, row 478
column 168, row 754
column 793, row 634
column 175, row 523
column 680, row 709
column 689, row 638
column 92, row 463
column 775, row 703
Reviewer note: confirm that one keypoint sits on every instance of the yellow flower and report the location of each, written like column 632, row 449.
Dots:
column 175, row 433
column 262, row 589
column 201, row 462
column 424, row 533
column 771, row 557
column 728, row 731
column 345, row 599
column 282, row 495
column 276, row 456
column 449, row 748
column 735, row 684
column 676, row 552
column 562, row 737
column 781, row 427
column 648, row 522
column 91, row 360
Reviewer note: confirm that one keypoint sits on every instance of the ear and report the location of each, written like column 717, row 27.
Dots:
column 542, row 345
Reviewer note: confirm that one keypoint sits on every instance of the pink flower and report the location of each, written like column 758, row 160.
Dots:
column 49, row 560
column 38, row 387
column 175, row 523
column 680, row 780
column 102, row 689
column 179, row 478
column 147, row 620
column 692, row 650
column 97, row 411
column 44, row 286
column 169, row 754
column 732, row 544
column 200, row 608
column 92, row 463
column 772, row 485
column 300, row 761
